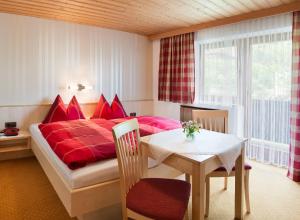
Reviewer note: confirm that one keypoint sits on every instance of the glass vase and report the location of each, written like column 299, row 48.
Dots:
column 190, row 136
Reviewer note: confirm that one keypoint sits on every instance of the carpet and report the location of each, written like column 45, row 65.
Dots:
column 26, row 194
column 272, row 195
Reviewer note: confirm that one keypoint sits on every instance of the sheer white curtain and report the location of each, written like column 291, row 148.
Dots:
column 270, row 99
column 248, row 65
column 218, row 73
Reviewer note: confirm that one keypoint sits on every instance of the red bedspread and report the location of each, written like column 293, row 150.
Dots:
column 151, row 125
column 80, row 142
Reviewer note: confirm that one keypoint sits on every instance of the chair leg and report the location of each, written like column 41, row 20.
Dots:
column 188, row 178
column 207, row 196
column 225, row 182
column 124, row 213
column 246, row 182
column 186, row 216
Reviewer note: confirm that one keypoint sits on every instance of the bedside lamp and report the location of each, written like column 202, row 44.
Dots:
column 79, row 87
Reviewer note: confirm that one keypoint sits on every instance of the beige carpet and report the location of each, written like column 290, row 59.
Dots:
column 26, row 194
column 272, row 196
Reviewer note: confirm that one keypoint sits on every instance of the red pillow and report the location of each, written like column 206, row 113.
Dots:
column 57, row 111
column 73, row 111
column 103, row 109
column 117, row 109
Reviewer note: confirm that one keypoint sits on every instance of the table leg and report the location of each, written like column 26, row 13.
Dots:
column 187, row 178
column 198, row 192
column 239, row 186
column 144, row 161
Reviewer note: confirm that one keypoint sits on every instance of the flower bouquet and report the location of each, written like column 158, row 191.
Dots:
column 190, row 128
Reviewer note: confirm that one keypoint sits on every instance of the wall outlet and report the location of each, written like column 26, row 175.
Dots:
column 132, row 114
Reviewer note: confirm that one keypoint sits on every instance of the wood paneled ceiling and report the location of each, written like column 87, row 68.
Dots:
column 146, row 17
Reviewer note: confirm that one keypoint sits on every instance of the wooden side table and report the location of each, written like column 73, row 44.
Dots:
column 14, row 147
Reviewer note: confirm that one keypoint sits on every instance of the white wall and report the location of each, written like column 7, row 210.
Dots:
column 39, row 57
column 30, row 114
column 167, row 109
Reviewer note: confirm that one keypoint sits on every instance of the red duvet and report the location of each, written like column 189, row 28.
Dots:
column 80, row 142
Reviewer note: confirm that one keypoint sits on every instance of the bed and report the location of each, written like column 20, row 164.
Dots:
column 96, row 185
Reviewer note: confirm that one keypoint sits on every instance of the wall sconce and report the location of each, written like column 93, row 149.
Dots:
column 79, row 87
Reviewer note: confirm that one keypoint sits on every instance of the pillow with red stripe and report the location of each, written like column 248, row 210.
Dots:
column 74, row 111
column 57, row 111
column 117, row 109
column 103, row 109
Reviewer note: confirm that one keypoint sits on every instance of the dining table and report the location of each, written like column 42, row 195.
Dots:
column 198, row 157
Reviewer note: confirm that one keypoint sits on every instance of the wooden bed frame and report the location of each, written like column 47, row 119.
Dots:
column 84, row 202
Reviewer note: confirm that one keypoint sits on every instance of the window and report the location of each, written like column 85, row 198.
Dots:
column 252, row 75
column 220, row 72
column 271, row 90
column 247, row 68
column 271, row 70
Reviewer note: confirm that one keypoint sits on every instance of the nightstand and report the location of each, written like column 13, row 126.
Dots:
column 14, row 147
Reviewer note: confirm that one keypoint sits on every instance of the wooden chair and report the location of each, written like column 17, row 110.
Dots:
column 145, row 198
column 217, row 120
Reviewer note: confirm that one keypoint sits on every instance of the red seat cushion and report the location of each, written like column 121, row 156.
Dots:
column 247, row 167
column 159, row 198
column 117, row 109
column 74, row 111
column 57, row 111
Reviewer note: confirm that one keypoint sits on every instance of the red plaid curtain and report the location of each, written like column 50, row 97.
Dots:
column 177, row 69
column 294, row 157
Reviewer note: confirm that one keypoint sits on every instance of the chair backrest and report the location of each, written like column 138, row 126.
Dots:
column 213, row 120
column 129, row 153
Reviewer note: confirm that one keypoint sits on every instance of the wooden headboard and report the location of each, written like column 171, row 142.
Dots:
column 25, row 115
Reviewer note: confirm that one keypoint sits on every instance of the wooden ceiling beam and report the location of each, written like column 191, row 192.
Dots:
column 294, row 6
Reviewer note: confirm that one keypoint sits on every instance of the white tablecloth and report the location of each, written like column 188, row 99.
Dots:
column 226, row 146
